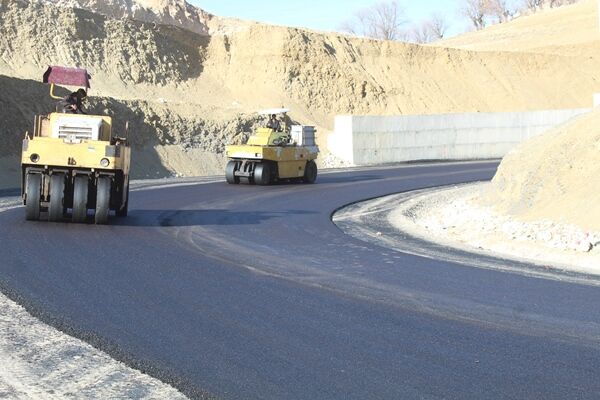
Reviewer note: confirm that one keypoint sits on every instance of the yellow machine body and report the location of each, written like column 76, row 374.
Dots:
column 272, row 150
column 70, row 148
column 54, row 153
column 291, row 161
column 71, row 152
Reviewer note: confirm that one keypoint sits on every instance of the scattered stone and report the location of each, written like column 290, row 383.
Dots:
column 454, row 217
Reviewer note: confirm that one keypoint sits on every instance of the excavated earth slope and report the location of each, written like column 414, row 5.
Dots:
column 570, row 29
column 188, row 93
column 553, row 177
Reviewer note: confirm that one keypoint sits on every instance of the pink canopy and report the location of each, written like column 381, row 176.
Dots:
column 67, row 76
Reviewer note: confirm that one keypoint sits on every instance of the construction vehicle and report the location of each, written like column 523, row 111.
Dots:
column 74, row 161
column 274, row 153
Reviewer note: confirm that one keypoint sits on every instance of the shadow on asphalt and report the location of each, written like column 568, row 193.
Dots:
column 332, row 178
column 10, row 192
column 176, row 218
column 324, row 178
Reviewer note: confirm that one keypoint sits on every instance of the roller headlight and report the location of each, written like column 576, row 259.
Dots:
column 104, row 162
column 34, row 158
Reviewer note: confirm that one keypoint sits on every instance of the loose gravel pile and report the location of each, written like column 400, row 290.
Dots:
column 455, row 217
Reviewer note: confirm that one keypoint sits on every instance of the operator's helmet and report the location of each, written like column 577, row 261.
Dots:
column 81, row 93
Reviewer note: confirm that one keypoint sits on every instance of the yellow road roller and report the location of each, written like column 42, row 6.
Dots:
column 72, row 160
column 273, row 153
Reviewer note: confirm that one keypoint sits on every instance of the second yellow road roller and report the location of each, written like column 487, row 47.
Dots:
column 273, row 153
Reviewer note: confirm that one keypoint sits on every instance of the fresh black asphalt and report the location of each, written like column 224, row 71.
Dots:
column 246, row 292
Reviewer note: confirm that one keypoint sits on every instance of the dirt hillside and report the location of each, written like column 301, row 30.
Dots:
column 173, row 12
column 177, row 13
column 189, row 84
column 562, row 30
column 553, row 177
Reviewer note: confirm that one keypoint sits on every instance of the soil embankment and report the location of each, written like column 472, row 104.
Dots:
column 568, row 30
column 554, row 176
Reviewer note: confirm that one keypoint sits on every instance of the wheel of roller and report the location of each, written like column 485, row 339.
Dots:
column 310, row 172
column 33, row 193
column 57, row 198
column 262, row 173
column 102, row 200
column 230, row 173
column 80, row 199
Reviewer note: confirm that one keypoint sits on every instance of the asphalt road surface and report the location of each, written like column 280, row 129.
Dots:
column 245, row 292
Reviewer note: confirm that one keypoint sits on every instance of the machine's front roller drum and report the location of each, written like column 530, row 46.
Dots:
column 230, row 173
column 263, row 173
column 310, row 172
column 80, row 198
column 57, row 198
column 102, row 200
column 33, row 193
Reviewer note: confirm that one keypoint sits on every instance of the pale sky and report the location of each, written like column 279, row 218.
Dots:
column 327, row 15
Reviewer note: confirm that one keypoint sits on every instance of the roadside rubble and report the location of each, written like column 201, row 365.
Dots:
column 454, row 217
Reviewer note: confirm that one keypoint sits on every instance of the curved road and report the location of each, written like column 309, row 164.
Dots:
column 245, row 292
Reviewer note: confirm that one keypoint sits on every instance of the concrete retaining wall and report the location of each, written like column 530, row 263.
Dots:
column 370, row 140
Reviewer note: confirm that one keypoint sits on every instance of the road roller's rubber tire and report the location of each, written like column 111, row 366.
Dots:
column 80, row 199
column 57, row 198
column 263, row 173
column 102, row 200
column 310, row 172
column 33, row 192
column 230, row 173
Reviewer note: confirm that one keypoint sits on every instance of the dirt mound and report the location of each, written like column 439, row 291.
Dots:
column 169, row 12
column 553, row 177
column 129, row 51
column 560, row 30
column 178, row 13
